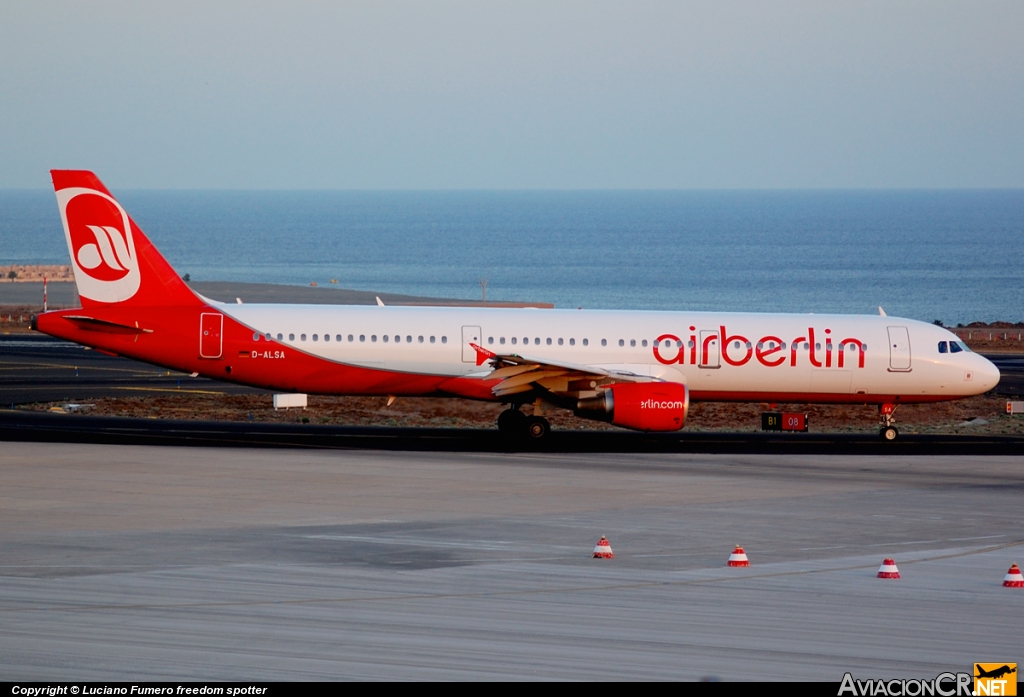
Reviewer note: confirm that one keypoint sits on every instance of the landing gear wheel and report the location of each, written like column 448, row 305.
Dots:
column 511, row 422
column 537, row 427
column 889, row 433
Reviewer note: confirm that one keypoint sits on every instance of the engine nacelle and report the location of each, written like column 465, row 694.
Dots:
column 641, row 406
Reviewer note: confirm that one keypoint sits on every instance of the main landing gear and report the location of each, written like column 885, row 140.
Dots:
column 514, row 423
column 888, row 431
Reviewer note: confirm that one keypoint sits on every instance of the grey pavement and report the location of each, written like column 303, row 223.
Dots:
column 132, row 562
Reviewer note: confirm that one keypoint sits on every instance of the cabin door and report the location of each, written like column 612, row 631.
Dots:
column 899, row 349
column 211, row 330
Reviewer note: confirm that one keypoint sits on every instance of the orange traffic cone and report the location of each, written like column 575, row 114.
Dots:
column 1013, row 578
column 888, row 569
column 738, row 557
column 603, row 550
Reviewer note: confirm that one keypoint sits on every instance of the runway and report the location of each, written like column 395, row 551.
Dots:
column 39, row 368
column 170, row 563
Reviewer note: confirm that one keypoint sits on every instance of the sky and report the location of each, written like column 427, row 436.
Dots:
column 514, row 95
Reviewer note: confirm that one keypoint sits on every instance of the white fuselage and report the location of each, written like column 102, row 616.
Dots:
column 761, row 356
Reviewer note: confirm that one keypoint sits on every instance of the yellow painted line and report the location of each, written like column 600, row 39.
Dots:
column 154, row 389
column 28, row 366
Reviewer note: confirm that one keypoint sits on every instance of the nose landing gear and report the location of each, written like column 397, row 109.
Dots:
column 888, row 431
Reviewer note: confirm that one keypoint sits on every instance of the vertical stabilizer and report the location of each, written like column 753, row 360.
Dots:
column 113, row 261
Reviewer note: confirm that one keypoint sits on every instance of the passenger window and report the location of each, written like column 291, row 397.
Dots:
column 351, row 338
column 373, row 337
column 419, row 339
column 514, row 340
column 622, row 342
column 644, row 343
column 954, row 347
column 572, row 342
column 431, row 339
column 586, row 342
column 291, row 337
column 490, row 340
column 501, row 341
column 444, row 340
column 255, row 336
column 398, row 339
column 315, row 337
column 604, row 342
column 279, row 337
column 536, row 341
column 327, row 337
column 385, row 338
column 689, row 344
column 362, row 337
column 303, row 337
column 408, row 339
column 632, row 342
column 655, row 343
column 561, row 341
column 942, row 347
column 548, row 341
column 526, row 339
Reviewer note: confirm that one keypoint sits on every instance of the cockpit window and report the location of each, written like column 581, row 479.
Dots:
column 954, row 347
column 942, row 347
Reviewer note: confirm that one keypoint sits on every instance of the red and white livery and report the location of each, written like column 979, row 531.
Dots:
column 638, row 370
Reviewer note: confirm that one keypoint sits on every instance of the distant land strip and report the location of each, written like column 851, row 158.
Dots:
column 61, row 294
column 31, row 273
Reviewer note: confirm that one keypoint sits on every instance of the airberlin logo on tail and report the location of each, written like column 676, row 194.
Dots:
column 99, row 236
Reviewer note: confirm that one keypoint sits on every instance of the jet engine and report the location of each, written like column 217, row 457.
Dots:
column 641, row 406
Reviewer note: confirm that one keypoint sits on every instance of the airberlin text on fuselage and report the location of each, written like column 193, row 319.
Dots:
column 769, row 351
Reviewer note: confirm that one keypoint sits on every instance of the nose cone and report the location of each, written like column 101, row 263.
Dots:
column 986, row 375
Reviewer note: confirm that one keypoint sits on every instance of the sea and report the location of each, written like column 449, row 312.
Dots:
column 955, row 256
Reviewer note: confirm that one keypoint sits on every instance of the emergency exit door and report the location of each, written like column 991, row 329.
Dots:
column 709, row 350
column 470, row 335
column 211, row 329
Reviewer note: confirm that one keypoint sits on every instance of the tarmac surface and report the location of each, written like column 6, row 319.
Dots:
column 167, row 563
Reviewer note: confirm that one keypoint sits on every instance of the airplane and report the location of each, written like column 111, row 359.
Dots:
column 638, row 370
column 995, row 673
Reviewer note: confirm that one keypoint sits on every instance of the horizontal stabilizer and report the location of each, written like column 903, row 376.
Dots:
column 102, row 325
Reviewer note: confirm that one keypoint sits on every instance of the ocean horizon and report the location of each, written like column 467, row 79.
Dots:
column 951, row 255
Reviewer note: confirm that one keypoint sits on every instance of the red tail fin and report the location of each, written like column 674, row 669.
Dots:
column 113, row 261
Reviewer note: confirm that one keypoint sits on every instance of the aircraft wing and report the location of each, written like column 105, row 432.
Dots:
column 526, row 373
